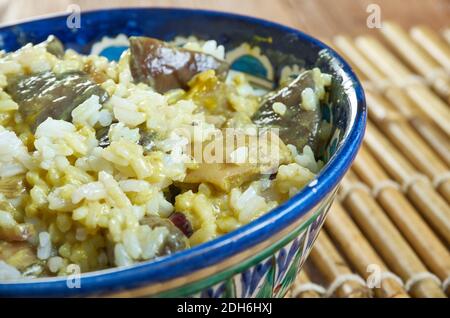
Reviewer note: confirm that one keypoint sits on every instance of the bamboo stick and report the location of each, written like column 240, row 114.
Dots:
column 429, row 103
column 432, row 207
column 333, row 267
column 432, row 105
column 424, row 241
column 383, row 59
column 403, row 103
column 429, row 203
column 407, row 141
column 434, row 136
column 347, row 48
column 392, row 161
column 417, row 118
column 432, row 43
column 301, row 280
column 359, row 252
column 386, row 238
column 417, row 58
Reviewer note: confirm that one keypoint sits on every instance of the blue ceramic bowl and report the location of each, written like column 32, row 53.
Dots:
column 262, row 258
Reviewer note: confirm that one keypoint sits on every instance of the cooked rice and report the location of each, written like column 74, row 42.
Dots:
column 86, row 202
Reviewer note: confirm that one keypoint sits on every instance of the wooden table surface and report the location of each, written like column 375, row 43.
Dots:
column 321, row 18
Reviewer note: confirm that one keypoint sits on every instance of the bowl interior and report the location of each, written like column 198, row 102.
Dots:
column 260, row 48
column 254, row 48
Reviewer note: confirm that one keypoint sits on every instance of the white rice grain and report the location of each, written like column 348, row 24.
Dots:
column 8, row 272
column 279, row 108
column 88, row 112
column 121, row 256
column 309, row 99
column 91, row 191
column 45, row 246
column 55, row 263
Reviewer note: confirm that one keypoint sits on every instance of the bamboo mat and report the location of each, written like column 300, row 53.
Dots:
column 388, row 233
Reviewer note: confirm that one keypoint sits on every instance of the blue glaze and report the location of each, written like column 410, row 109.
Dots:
column 113, row 53
column 249, row 64
column 230, row 30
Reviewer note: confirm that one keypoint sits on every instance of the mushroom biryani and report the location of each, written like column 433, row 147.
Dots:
column 106, row 164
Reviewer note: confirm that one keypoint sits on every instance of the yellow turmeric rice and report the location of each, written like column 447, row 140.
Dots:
column 100, row 163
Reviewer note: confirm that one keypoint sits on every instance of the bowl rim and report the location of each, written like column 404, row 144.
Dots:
column 246, row 236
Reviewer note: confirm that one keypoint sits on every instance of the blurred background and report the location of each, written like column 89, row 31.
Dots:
column 321, row 18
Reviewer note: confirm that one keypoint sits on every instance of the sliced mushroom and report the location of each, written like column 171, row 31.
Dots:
column 53, row 95
column 54, row 46
column 297, row 126
column 12, row 187
column 226, row 175
column 165, row 67
column 222, row 175
column 19, row 254
column 176, row 240
column 11, row 231
column 102, row 136
column 148, row 139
